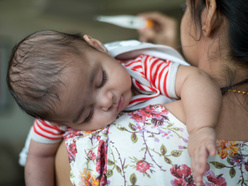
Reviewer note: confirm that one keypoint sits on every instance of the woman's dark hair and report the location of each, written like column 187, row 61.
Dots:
column 236, row 12
column 35, row 69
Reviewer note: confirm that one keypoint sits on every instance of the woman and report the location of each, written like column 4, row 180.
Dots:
column 213, row 38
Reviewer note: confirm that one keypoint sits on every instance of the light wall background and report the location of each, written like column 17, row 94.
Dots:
column 18, row 18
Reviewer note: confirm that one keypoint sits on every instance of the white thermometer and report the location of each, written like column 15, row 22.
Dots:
column 126, row 21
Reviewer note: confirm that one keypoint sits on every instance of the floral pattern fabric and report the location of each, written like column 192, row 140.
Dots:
column 149, row 147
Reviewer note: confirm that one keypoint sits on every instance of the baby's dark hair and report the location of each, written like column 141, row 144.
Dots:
column 35, row 68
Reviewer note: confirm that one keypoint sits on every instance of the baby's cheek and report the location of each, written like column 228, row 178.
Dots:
column 102, row 121
column 110, row 119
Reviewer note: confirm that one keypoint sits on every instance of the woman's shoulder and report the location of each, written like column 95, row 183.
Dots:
column 176, row 110
column 147, row 145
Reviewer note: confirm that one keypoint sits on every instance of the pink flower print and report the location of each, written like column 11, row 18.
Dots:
column 183, row 175
column 72, row 134
column 139, row 116
column 158, row 114
column 246, row 166
column 72, row 151
column 142, row 166
column 215, row 179
column 237, row 159
column 101, row 161
column 180, row 182
column 157, row 122
column 91, row 155
column 144, row 113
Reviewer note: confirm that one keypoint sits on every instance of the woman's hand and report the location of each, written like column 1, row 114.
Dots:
column 164, row 30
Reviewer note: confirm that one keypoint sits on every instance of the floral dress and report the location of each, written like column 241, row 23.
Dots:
column 149, row 147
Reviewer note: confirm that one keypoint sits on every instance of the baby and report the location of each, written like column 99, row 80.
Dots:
column 69, row 81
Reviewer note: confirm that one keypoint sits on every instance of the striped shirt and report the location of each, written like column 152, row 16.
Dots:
column 151, row 76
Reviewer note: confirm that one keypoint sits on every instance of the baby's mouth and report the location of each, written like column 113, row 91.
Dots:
column 120, row 104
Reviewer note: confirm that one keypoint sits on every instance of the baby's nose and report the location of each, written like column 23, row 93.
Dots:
column 106, row 101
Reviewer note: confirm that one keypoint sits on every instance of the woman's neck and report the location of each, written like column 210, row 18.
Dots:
column 225, row 72
column 214, row 58
column 232, row 124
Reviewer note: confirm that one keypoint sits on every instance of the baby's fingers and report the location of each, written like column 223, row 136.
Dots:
column 200, row 164
column 211, row 148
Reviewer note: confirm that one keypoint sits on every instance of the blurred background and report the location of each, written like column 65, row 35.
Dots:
column 19, row 18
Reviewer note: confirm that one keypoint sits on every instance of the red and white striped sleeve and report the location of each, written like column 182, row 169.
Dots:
column 44, row 132
column 161, row 73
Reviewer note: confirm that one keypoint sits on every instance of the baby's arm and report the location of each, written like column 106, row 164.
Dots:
column 201, row 98
column 39, row 168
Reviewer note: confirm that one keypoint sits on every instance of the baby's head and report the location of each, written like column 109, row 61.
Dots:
column 49, row 71
column 36, row 67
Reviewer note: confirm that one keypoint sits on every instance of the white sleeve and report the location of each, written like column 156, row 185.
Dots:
column 24, row 153
column 171, row 79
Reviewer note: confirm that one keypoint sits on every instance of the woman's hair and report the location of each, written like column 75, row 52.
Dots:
column 36, row 67
column 236, row 12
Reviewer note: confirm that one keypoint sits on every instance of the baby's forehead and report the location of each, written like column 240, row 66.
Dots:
column 77, row 59
column 78, row 67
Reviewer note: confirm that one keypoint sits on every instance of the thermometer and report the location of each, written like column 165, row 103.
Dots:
column 126, row 21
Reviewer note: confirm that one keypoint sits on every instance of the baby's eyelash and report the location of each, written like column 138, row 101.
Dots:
column 88, row 118
column 104, row 79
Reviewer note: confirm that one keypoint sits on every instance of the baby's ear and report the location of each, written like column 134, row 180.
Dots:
column 96, row 44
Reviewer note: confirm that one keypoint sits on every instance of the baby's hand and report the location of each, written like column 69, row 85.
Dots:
column 202, row 143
